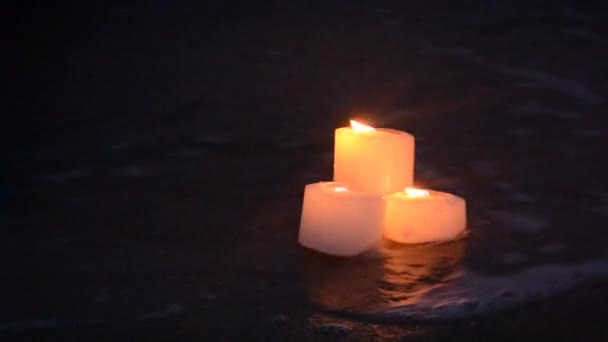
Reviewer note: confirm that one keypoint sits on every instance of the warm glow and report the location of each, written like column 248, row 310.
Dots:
column 340, row 188
column 357, row 126
column 416, row 192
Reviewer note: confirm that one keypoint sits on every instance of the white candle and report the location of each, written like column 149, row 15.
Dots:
column 338, row 221
column 379, row 161
column 416, row 216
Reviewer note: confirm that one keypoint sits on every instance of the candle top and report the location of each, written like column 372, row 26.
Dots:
column 414, row 194
column 339, row 189
column 373, row 134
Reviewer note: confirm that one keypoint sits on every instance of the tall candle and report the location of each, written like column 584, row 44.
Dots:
column 416, row 216
column 379, row 161
column 338, row 221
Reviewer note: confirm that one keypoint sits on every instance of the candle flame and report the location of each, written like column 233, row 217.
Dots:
column 416, row 192
column 359, row 127
column 340, row 188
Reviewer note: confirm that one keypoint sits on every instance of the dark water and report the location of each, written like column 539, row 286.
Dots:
column 159, row 171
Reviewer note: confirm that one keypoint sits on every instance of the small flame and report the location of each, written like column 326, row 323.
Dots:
column 359, row 127
column 416, row 192
column 340, row 188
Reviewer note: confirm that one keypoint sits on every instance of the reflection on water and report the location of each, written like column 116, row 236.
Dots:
column 412, row 270
column 393, row 275
column 429, row 282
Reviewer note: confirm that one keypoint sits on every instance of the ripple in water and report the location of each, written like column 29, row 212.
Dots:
column 430, row 282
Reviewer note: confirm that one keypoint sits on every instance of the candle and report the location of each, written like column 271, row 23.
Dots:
column 370, row 160
column 338, row 221
column 416, row 216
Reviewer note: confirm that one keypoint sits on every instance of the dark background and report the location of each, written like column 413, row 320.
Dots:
column 157, row 152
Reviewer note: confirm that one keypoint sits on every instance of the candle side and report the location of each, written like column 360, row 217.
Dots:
column 439, row 216
column 343, row 223
column 379, row 161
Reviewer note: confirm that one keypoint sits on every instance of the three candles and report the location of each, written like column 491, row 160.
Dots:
column 371, row 196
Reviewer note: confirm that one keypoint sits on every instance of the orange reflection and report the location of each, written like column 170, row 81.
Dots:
column 415, row 269
column 395, row 274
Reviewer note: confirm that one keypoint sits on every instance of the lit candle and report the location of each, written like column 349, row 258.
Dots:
column 416, row 216
column 338, row 221
column 370, row 160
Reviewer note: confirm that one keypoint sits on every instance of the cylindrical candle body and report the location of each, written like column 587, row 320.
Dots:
column 415, row 219
column 340, row 222
column 379, row 161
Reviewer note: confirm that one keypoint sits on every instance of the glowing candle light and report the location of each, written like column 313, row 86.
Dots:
column 359, row 127
column 416, row 216
column 338, row 221
column 370, row 160
column 413, row 192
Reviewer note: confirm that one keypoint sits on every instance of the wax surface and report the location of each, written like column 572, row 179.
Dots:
column 416, row 219
column 379, row 161
column 340, row 222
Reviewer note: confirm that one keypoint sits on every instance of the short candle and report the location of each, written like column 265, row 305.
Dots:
column 417, row 216
column 379, row 161
column 338, row 221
